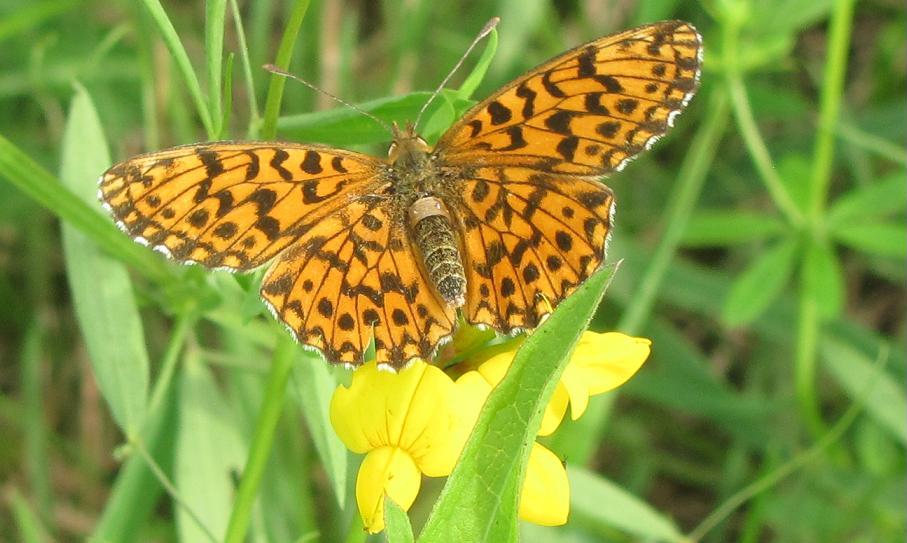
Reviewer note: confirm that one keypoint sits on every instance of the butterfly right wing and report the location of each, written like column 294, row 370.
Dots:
column 588, row 111
column 231, row 205
column 355, row 274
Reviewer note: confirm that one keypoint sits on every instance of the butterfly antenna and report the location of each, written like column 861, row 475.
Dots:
column 489, row 26
column 275, row 70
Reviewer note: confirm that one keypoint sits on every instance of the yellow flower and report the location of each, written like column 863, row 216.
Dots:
column 601, row 362
column 416, row 422
column 545, row 496
column 405, row 425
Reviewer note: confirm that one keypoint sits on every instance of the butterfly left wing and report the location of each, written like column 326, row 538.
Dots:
column 231, row 205
column 588, row 111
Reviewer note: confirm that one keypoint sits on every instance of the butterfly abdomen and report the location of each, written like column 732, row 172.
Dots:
column 434, row 235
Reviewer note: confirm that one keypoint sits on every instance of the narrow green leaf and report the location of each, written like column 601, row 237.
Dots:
column 397, row 528
column 475, row 77
column 886, row 402
column 27, row 520
column 823, row 278
column 208, row 452
column 479, row 502
column 314, row 385
column 101, row 288
column 596, row 500
column 42, row 187
column 183, row 64
column 888, row 195
column 880, row 238
column 719, row 228
column 215, row 11
column 759, row 284
column 282, row 61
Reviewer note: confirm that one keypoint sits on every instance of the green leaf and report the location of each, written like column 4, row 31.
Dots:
column 823, row 278
column 477, row 74
column 796, row 171
column 397, row 528
column 313, row 385
column 711, row 228
column 596, row 500
column 215, row 11
column 183, row 64
column 479, row 502
column 346, row 126
column 208, row 452
column 101, row 288
column 759, row 284
column 880, row 238
column 885, row 402
column 27, row 520
column 42, row 187
column 888, row 195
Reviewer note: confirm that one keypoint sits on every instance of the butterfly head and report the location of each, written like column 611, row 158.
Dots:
column 408, row 148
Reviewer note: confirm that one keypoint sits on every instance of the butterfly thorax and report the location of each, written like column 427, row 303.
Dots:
column 418, row 187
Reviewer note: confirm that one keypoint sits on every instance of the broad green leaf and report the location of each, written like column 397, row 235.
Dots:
column 885, row 401
column 346, row 126
column 888, row 195
column 759, row 284
column 710, row 228
column 314, row 385
column 878, row 238
column 101, row 289
column 824, row 282
column 208, row 454
column 479, row 502
column 396, row 524
column 596, row 500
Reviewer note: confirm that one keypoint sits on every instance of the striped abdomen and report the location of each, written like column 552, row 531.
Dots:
column 434, row 234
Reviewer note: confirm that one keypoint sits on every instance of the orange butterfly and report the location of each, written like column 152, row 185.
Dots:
column 503, row 218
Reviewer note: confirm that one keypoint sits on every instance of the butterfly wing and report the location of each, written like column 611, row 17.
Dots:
column 353, row 273
column 345, row 268
column 588, row 111
column 535, row 221
column 530, row 240
column 231, row 205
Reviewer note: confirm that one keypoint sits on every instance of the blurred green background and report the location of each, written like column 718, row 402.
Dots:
column 763, row 245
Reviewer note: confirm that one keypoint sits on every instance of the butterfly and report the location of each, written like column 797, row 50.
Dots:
column 502, row 219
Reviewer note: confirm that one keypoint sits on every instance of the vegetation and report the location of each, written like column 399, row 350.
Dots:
column 762, row 248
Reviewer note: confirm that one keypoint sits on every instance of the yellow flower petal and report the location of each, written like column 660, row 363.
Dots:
column 385, row 471
column 545, row 496
column 601, row 362
column 494, row 369
column 412, row 409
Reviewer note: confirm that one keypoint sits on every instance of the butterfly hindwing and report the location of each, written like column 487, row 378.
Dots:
column 530, row 239
column 354, row 275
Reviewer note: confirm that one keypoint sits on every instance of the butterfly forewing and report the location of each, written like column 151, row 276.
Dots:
column 587, row 111
column 231, row 205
